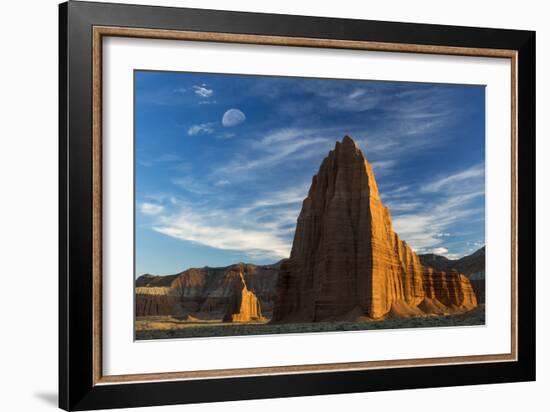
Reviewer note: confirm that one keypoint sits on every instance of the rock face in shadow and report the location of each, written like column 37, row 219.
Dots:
column 206, row 292
column 473, row 266
column 346, row 259
column 155, row 305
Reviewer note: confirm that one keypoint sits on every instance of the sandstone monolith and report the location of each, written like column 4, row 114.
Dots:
column 346, row 259
column 244, row 305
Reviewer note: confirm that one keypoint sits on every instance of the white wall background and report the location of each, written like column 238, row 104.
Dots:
column 28, row 202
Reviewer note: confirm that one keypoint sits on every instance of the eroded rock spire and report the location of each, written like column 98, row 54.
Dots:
column 346, row 259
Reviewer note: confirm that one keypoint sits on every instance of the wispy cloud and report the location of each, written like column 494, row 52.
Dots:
column 462, row 177
column 226, row 135
column 203, row 91
column 189, row 227
column 400, row 138
column 165, row 96
column 151, row 208
column 222, row 182
column 344, row 96
column 168, row 157
column 383, row 167
column 405, row 206
column 163, row 158
column 262, row 229
column 274, row 148
column 451, row 200
column 284, row 197
column 192, row 185
column 397, row 192
column 399, row 121
column 203, row 128
column 421, row 228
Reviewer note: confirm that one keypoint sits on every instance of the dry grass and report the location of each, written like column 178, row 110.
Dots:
column 165, row 327
column 163, row 323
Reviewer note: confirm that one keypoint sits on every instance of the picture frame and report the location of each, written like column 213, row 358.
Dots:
column 83, row 26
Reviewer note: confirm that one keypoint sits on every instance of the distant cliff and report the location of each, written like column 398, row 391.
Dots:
column 473, row 266
column 208, row 291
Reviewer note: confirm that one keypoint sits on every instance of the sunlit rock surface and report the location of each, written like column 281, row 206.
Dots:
column 347, row 262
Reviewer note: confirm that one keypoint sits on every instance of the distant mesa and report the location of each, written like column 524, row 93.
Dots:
column 235, row 293
column 473, row 266
column 348, row 263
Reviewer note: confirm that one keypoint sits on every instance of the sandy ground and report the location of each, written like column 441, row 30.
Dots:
column 165, row 327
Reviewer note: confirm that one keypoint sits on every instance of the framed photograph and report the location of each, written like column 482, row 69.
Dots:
column 257, row 205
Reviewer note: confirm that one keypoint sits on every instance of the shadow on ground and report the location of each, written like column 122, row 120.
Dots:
column 49, row 398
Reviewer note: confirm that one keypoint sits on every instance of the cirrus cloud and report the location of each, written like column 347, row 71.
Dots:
column 151, row 209
column 203, row 91
column 261, row 229
column 203, row 128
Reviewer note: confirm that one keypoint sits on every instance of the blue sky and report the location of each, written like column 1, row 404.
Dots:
column 223, row 162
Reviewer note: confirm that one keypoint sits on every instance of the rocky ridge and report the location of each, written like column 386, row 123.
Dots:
column 208, row 292
column 473, row 266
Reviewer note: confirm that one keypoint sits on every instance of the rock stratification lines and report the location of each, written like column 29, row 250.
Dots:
column 210, row 292
column 347, row 262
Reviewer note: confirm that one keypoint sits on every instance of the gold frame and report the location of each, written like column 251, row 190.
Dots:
column 101, row 31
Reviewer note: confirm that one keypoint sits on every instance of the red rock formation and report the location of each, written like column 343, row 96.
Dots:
column 244, row 306
column 205, row 291
column 473, row 266
column 346, row 258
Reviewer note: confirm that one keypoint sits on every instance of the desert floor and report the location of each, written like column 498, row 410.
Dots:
column 167, row 327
